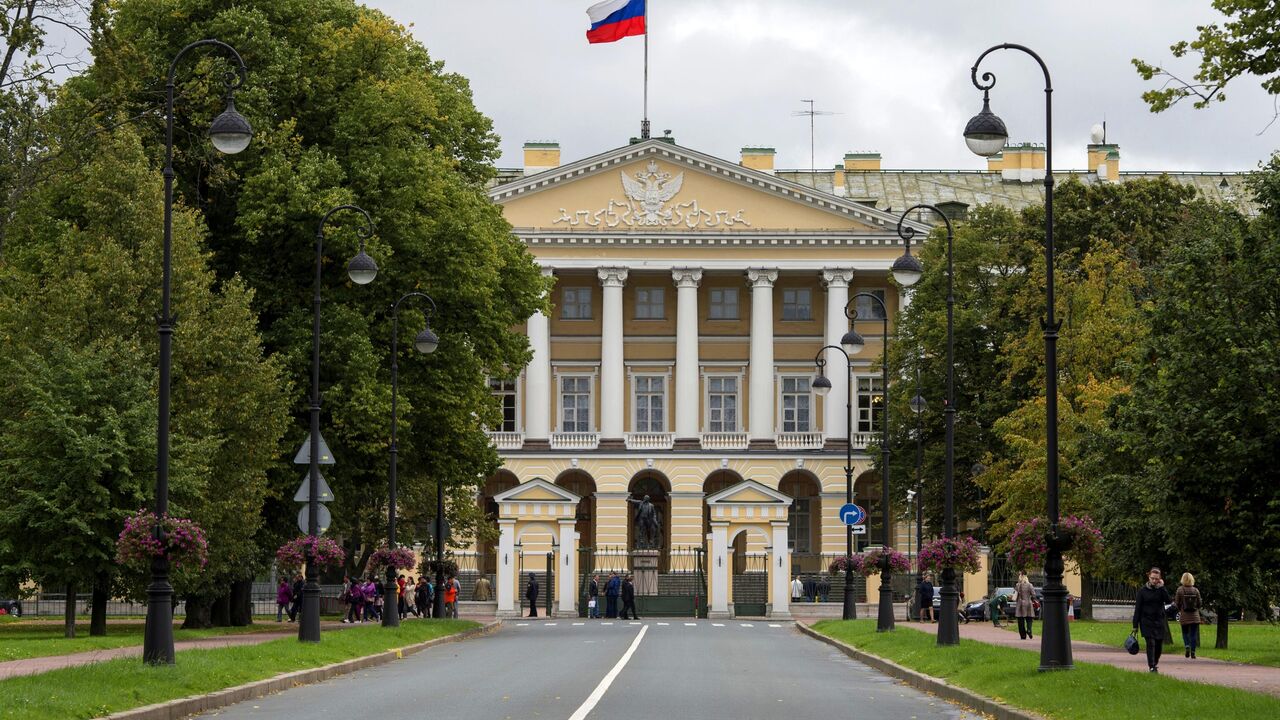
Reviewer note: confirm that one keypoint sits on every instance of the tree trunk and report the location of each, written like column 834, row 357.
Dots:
column 69, row 612
column 242, row 602
column 198, row 615
column 98, row 613
column 1086, row 596
column 221, row 611
column 1221, row 643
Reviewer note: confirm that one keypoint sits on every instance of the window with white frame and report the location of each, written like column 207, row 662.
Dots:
column 870, row 404
column 575, row 303
column 797, row 304
column 798, row 526
column 505, row 392
column 649, row 303
column 722, row 404
column 869, row 309
column 723, row 305
column 796, row 405
column 575, row 403
column 651, row 403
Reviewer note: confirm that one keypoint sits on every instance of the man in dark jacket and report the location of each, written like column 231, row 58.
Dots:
column 926, row 600
column 611, row 591
column 1148, row 615
column 531, row 594
column 593, row 597
column 296, row 608
column 629, row 600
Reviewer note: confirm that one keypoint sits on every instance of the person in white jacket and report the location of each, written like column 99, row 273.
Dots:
column 797, row 589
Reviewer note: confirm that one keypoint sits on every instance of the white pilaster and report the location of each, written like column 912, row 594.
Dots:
column 780, row 573
column 904, row 301
column 720, row 563
column 612, row 369
column 687, row 399
column 835, row 412
column 537, row 378
column 506, row 575
column 567, row 572
column 761, row 398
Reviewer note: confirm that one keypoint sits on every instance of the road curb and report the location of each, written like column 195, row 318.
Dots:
column 928, row 683
column 183, row 707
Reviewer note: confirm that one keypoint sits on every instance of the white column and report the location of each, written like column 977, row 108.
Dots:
column 537, row 377
column 567, row 572
column 761, row 397
column 687, row 398
column 506, row 575
column 780, row 573
column 720, row 563
column 612, row 369
column 835, row 414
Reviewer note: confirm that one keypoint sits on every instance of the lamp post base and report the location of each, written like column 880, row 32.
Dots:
column 948, row 628
column 884, row 617
column 309, row 624
column 157, row 647
column 1055, row 635
column 850, row 602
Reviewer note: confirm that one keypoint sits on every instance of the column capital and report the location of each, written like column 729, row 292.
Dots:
column 612, row 276
column 837, row 276
column 686, row 277
column 762, row 277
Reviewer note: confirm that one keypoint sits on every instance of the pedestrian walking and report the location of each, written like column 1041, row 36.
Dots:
column 402, row 605
column 452, row 588
column 354, row 594
column 996, row 606
column 612, row 589
column 593, row 598
column 371, row 593
column 629, row 600
column 531, row 594
column 1148, row 616
column 1187, row 599
column 824, row 587
column 422, row 597
column 483, row 591
column 296, row 608
column 284, row 598
column 926, row 599
column 1024, row 606
column 797, row 589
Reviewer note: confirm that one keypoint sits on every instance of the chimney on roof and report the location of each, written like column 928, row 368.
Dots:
column 1023, row 162
column 1104, row 157
column 758, row 158
column 862, row 161
column 539, row 156
column 837, row 182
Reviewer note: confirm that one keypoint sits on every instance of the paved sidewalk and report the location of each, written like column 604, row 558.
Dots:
column 1256, row 678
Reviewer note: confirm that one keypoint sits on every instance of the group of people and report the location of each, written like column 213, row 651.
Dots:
column 1150, row 620
column 810, row 589
column 366, row 597
column 289, row 598
column 616, row 588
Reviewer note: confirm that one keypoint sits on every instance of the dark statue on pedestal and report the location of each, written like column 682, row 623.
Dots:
column 648, row 525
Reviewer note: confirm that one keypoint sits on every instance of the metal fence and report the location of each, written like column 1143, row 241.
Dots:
column 52, row 604
column 1113, row 592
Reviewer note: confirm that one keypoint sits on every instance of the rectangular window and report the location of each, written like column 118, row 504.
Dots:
column 797, row 304
column 575, row 303
column 869, row 309
column 798, row 526
column 505, row 392
column 649, row 304
column 724, row 304
column 575, row 404
column 870, row 404
column 651, row 405
column 722, row 404
column 796, row 401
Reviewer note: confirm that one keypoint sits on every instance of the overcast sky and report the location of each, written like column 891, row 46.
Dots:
column 729, row 73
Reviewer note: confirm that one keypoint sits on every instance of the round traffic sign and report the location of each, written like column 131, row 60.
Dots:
column 851, row 514
column 323, row 519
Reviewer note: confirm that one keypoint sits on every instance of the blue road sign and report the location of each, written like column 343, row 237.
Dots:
column 851, row 514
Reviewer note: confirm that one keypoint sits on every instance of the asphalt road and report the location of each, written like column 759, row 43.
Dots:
column 572, row 670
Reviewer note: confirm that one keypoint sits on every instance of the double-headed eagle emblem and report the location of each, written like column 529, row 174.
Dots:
column 649, row 191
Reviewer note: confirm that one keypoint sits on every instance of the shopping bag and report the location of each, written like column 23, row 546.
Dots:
column 591, row 603
column 1131, row 643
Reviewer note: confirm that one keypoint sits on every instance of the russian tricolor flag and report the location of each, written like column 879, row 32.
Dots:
column 615, row 19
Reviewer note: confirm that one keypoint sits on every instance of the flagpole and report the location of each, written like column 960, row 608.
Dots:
column 644, row 124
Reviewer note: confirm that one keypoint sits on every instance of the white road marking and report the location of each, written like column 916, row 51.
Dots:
column 521, row 624
column 745, row 625
column 774, row 625
column 717, row 624
column 594, row 698
column 691, row 624
column 636, row 623
column 606, row 624
column 669, row 623
column 577, row 624
column 548, row 624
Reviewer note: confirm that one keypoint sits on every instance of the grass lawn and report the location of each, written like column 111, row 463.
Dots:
column 102, row 688
column 21, row 640
column 1089, row 692
column 1251, row 642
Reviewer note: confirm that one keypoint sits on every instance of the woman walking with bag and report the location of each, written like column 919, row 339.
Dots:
column 1187, row 600
column 1148, row 616
column 1024, row 606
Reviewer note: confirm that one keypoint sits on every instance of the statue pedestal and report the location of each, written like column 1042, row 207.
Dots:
column 644, row 565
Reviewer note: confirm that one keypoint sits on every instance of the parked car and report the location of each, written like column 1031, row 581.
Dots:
column 1011, row 609
column 11, row 607
column 976, row 610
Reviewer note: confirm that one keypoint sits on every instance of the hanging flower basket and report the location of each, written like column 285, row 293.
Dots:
column 325, row 552
column 184, row 542
column 869, row 562
column 402, row 558
column 840, row 564
column 960, row 554
column 1080, row 536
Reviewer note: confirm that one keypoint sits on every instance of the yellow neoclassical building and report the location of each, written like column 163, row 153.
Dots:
column 691, row 296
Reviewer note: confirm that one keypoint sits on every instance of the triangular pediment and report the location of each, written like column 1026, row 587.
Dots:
column 537, row 490
column 659, row 186
column 749, row 492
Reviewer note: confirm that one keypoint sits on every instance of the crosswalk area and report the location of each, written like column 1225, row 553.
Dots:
column 654, row 625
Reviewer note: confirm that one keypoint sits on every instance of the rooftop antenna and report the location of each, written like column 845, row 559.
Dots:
column 811, row 113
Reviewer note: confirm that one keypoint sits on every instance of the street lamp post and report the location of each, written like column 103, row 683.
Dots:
column 822, row 386
column 230, row 133
column 986, row 135
column 437, row 602
column 918, row 405
column 425, row 343
column 361, row 269
column 948, row 628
